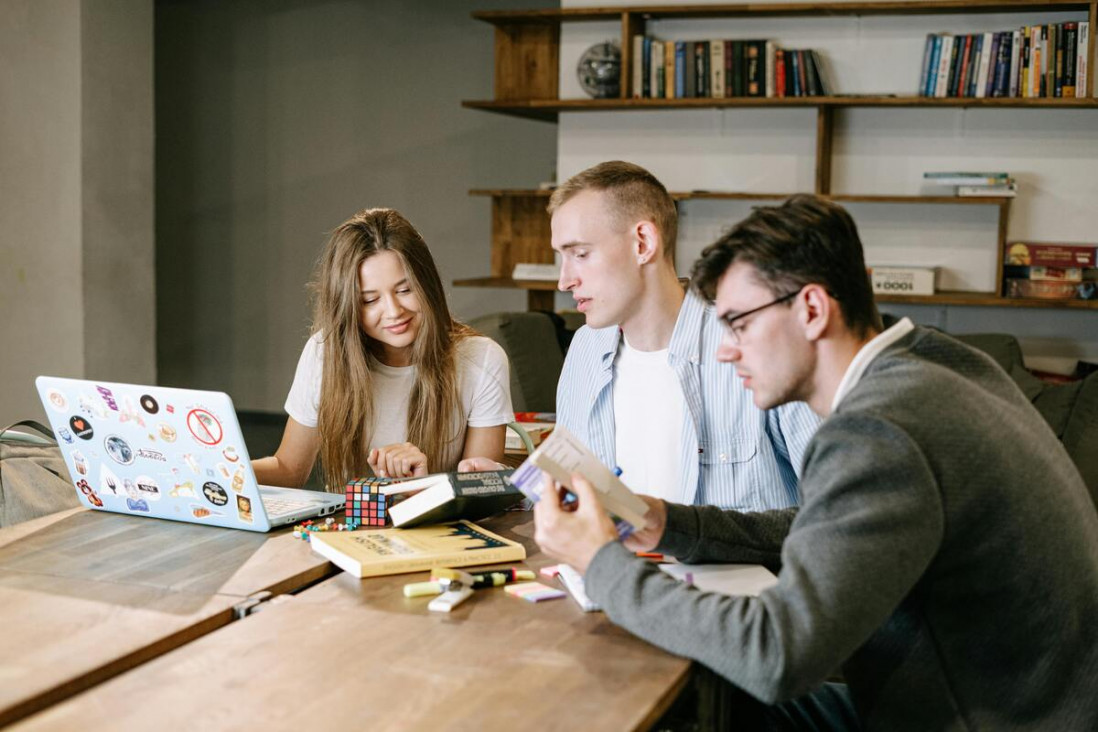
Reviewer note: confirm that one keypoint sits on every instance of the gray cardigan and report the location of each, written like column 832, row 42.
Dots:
column 945, row 558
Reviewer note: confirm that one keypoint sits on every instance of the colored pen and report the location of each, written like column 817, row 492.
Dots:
column 495, row 579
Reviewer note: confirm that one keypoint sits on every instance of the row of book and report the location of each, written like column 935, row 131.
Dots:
column 967, row 183
column 1031, row 62
column 724, row 68
column 1051, row 271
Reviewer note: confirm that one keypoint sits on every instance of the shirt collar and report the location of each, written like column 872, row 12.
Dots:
column 684, row 338
column 865, row 356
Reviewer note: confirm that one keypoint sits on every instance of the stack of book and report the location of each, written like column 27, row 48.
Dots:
column 724, row 68
column 1033, row 61
column 1051, row 271
column 966, row 183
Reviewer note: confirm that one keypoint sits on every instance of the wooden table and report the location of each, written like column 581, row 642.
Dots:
column 86, row 595
column 357, row 654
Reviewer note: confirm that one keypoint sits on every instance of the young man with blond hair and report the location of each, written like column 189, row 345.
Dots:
column 641, row 385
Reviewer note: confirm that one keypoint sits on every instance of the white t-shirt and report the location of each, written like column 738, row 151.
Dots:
column 648, row 413
column 483, row 383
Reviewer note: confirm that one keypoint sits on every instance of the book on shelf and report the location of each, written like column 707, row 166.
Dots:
column 893, row 280
column 536, row 431
column 966, row 178
column 536, row 271
column 377, row 552
column 1010, row 190
column 1042, row 273
column 1042, row 254
column 562, row 455
column 445, row 497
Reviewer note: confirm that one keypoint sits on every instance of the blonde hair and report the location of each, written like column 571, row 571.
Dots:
column 632, row 193
column 346, row 418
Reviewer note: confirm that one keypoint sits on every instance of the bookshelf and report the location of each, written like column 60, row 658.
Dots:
column 527, row 50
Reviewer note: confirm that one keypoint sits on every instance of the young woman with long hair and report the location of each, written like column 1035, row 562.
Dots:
column 388, row 382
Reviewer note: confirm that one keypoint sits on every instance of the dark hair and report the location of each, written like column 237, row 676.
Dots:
column 806, row 240
column 631, row 192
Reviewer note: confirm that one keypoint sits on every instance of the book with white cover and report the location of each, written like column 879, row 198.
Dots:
column 726, row 579
column 561, row 455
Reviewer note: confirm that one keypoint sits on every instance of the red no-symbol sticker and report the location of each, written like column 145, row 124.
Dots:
column 204, row 427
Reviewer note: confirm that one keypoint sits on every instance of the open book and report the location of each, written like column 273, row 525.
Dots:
column 561, row 455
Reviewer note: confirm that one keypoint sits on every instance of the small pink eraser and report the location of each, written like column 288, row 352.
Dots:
column 533, row 591
column 551, row 571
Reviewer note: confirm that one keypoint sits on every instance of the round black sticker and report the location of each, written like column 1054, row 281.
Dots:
column 149, row 404
column 214, row 493
column 81, row 428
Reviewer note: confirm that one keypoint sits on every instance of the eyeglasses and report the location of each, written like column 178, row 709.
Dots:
column 735, row 324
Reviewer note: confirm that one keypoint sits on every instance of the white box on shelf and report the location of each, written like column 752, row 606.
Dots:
column 890, row 280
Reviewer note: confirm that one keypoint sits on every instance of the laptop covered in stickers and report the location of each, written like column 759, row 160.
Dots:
column 167, row 453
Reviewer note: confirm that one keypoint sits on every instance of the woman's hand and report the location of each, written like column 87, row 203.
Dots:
column 479, row 465
column 400, row 460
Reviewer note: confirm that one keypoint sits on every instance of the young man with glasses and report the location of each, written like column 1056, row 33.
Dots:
column 945, row 557
column 640, row 383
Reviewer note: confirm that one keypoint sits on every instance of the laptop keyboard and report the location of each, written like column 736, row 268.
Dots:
column 280, row 506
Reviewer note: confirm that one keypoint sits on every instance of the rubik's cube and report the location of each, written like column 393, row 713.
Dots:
column 367, row 505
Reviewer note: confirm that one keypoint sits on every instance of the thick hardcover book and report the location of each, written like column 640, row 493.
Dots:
column 1058, row 72
column 452, row 496
column 638, row 66
column 1014, row 64
column 681, row 70
column 377, row 552
column 1051, row 255
column 562, row 455
column 941, row 84
column 739, row 70
column 988, row 48
column 701, row 68
column 729, row 70
column 932, row 72
column 755, row 67
column 669, row 69
column 779, row 73
column 812, row 74
column 1067, row 89
column 1082, row 62
column 716, row 69
column 928, row 54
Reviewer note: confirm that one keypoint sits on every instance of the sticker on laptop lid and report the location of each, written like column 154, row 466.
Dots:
column 137, row 504
column 204, row 427
column 166, row 432
column 244, row 508
column 149, row 404
column 119, row 450
column 147, row 488
column 86, row 489
column 81, row 427
column 214, row 493
column 109, row 483
column 182, row 490
column 57, row 400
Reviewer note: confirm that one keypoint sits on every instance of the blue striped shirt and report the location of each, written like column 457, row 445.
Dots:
column 733, row 454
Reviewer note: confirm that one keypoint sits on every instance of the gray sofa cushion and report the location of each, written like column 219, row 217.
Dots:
column 530, row 341
column 1081, row 433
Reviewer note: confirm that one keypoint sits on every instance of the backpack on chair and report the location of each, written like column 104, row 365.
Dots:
column 34, row 480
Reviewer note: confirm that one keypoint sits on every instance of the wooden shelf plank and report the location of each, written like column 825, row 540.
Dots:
column 507, row 282
column 984, row 299
column 903, row 7
column 752, row 196
column 549, row 109
column 965, row 299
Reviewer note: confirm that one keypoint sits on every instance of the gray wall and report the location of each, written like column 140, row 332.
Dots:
column 275, row 122
column 76, row 195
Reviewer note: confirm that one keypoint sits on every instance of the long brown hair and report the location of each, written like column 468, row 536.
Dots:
column 346, row 419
